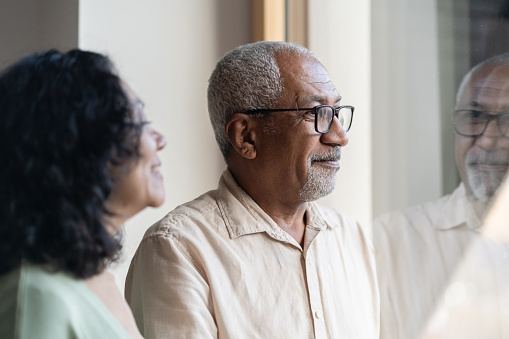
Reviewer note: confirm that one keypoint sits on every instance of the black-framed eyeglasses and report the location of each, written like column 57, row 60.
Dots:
column 473, row 123
column 324, row 115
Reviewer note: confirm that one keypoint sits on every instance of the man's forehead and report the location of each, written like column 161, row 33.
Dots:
column 488, row 87
column 293, row 64
column 307, row 80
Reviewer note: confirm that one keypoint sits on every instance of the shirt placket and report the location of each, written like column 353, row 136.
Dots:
column 315, row 299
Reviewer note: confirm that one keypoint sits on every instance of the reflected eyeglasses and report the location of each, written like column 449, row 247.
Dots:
column 473, row 123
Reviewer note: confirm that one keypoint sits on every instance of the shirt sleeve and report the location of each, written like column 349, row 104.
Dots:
column 168, row 293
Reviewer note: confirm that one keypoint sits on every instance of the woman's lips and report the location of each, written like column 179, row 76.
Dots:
column 155, row 171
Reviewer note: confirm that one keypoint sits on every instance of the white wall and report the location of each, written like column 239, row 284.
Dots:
column 166, row 51
column 406, row 111
column 340, row 36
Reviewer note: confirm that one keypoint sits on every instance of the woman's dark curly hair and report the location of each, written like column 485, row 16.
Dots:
column 65, row 123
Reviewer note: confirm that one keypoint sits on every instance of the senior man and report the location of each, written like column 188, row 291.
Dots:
column 420, row 249
column 257, row 258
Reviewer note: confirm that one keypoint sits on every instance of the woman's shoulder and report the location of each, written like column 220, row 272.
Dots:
column 40, row 283
column 37, row 302
column 31, row 297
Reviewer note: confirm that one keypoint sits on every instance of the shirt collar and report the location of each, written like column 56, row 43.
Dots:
column 314, row 217
column 456, row 210
column 243, row 216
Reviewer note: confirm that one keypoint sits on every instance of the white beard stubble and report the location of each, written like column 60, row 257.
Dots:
column 321, row 181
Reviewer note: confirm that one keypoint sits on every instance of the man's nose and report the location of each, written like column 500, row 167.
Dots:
column 491, row 136
column 336, row 136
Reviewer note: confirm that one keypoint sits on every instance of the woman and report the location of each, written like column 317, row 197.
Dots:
column 78, row 158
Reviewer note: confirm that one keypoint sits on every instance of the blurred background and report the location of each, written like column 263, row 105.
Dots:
column 399, row 62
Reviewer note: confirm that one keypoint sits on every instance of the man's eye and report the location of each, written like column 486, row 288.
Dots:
column 475, row 116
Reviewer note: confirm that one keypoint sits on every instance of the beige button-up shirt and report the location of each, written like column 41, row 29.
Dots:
column 417, row 253
column 220, row 267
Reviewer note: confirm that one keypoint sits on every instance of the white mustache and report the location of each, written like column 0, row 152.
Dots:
column 334, row 155
column 486, row 158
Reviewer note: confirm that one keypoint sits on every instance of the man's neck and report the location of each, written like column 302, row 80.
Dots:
column 289, row 215
column 291, row 220
column 480, row 207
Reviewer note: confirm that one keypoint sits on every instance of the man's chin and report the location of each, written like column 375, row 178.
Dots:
column 484, row 185
column 318, row 185
column 310, row 196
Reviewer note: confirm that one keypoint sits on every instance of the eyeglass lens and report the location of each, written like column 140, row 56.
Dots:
column 325, row 115
column 473, row 123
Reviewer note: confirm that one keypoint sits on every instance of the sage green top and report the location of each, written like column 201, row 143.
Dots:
column 35, row 303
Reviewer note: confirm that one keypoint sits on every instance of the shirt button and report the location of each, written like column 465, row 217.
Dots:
column 317, row 315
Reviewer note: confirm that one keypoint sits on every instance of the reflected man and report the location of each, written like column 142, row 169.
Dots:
column 258, row 258
column 419, row 249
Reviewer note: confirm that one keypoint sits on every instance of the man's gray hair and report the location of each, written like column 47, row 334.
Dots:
column 500, row 60
column 246, row 78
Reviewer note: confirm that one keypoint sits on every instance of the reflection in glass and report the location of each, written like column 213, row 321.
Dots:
column 472, row 123
column 437, row 272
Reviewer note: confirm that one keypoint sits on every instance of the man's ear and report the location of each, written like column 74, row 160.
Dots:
column 240, row 131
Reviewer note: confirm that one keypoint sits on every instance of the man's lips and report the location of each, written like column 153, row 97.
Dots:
column 327, row 164
column 328, row 159
column 487, row 161
column 332, row 163
column 495, row 167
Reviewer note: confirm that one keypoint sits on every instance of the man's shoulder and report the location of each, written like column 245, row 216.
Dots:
column 420, row 221
column 196, row 211
column 416, row 214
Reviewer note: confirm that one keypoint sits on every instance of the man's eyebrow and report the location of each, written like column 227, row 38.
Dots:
column 480, row 106
column 475, row 104
column 483, row 107
column 323, row 99
column 470, row 104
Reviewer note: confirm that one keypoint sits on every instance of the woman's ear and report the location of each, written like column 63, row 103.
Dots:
column 240, row 131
